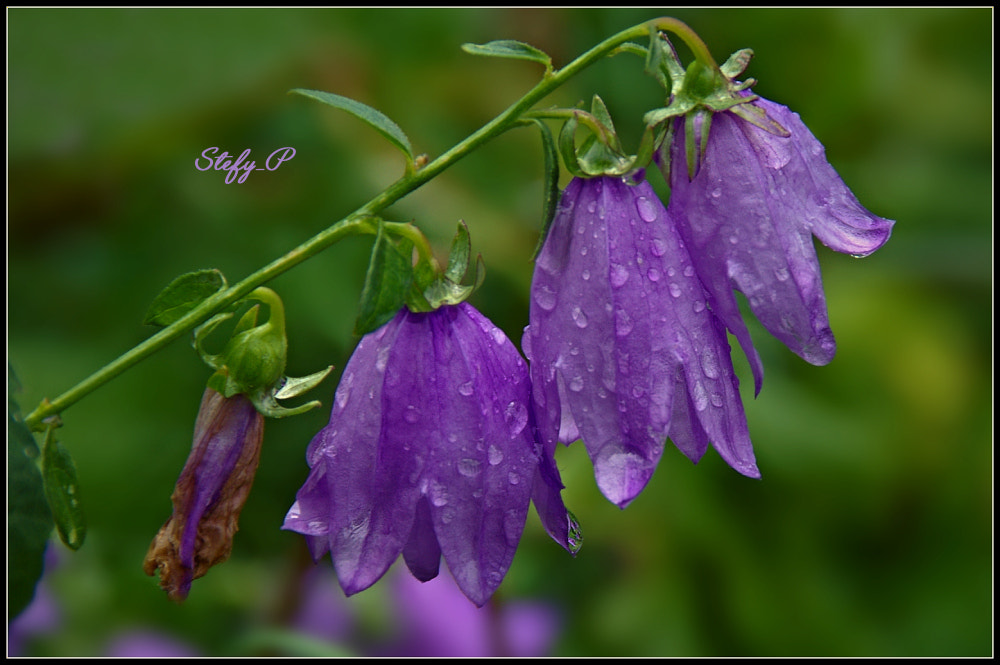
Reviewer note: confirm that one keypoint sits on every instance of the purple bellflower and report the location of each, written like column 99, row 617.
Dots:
column 623, row 350
column 431, row 451
column 748, row 215
column 210, row 493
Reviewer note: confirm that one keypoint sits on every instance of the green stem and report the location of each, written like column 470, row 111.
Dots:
column 359, row 222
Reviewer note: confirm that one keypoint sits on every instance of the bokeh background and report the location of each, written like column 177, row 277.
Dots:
column 871, row 531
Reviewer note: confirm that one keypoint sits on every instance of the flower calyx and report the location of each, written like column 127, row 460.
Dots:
column 699, row 91
column 601, row 153
column 252, row 362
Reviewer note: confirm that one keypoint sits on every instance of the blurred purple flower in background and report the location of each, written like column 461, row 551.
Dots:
column 431, row 451
column 210, row 493
column 435, row 620
column 623, row 350
column 144, row 643
column 748, row 216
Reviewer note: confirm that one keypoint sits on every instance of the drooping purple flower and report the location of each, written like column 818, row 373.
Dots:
column 748, row 216
column 623, row 350
column 210, row 493
column 431, row 451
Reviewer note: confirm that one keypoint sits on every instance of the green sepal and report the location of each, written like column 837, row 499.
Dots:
column 550, row 186
column 62, row 490
column 182, row 295
column 600, row 153
column 567, row 148
column 204, row 330
column 293, row 387
column 737, row 63
column 458, row 257
column 387, row 283
column 509, row 48
column 376, row 119
column 29, row 519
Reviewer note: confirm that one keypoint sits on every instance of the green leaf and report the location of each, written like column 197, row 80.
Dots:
column 29, row 520
column 509, row 48
column 378, row 120
column 550, row 187
column 458, row 257
column 63, row 491
column 182, row 295
column 390, row 275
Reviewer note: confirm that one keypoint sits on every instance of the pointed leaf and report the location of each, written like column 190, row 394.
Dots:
column 295, row 386
column 182, row 295
column 29, row 520
column 509, row 48
column 63, row 491
column 737, row 63
column 390, row 275
column 458, row 257
column 378, row 120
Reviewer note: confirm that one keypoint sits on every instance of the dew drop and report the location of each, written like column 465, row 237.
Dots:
column 675, row 290
column 494, row 455
column 689, row 271
column 466, row 388
column 699, row 396
column 699, row 306
column 716, row 399
column 576, row 384
column 585, row 275
column 592, row 206
column 382, row 358
column 781, row 274
column 469, row 468
column 545, row 298
column 646, row 209
column 658, row 247
column 574, row 535
column 516, row 416
column 623, row 323
column 733, row 239
column 343, row 392
column 579, row 317
column 513, row 478
column 411, row 415
column 716, row 193
column 709, row 364
column 619, row 275
column 653, row 275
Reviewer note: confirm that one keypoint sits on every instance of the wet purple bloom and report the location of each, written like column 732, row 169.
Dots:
column 431, row 450
column 624, row 351
column 748, row 217
column 210, row 493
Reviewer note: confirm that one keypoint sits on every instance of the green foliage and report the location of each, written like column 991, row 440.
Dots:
column 182, row 295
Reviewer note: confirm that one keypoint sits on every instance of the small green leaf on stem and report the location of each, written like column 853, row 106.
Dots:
column 378, row 120
column 510, row 48
column 182, row 295
column 63, row 491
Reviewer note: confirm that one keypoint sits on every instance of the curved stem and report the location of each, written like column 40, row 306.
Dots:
column 359, row 222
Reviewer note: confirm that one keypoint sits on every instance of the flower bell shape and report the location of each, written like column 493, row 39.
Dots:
column 623, row 350
column 748, row 215
column 431, row 450
column 210, row 493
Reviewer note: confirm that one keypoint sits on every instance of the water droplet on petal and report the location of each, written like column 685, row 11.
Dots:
column 709, row 364
column 646, row 208
column 653, row 275
column 585, row 275
column 494, row 455
column 579, row 317
column 592, row 206
column 382, row 358
column 689, row 271
column 658, row 247
column 466, row 388
column 699, row 306
column 623, row 323
column 699, row 396
column 469, row 468
column 576, row 384
column 716, row 399
column 574, row 535
column 411, row 415
column 545, row 298
column 619, row 275
column 513, row 478
column 781, row 274
column 675, row 290
column 516, row 416
column 716, row 193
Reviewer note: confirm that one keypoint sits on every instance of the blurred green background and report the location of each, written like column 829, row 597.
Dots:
column 871, row 531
